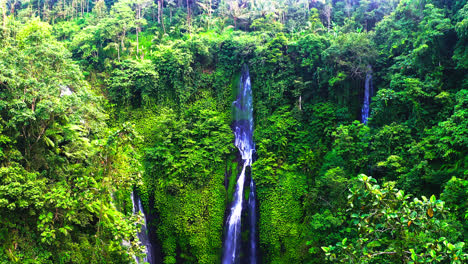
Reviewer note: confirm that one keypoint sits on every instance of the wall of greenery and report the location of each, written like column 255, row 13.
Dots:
column 149, row 109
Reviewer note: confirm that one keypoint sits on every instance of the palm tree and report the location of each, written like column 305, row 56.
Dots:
column 206, row 6
column 264, row 7
column 237, row 11
column 171, row 4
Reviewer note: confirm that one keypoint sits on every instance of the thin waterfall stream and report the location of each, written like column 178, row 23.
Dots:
column 367, row 94
column 243, row 131
column 143, row 234
column 252, row 223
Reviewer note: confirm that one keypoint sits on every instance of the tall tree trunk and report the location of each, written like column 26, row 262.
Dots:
column 300, row 102
column 327, row 12
column 122, row 39
column 73, row 9
column 3, row 7
column 209, row 15
column 138, row 14
column 159, row 11
column 188, row 17
column 162, row 14
column 44, row 12
column 12, row 9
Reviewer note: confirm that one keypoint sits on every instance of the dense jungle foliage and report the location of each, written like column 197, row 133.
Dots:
column 99, row 98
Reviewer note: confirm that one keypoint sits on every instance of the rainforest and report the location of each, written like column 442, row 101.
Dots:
column 233, row 131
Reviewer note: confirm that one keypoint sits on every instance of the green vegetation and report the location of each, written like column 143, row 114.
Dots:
column 100, row 98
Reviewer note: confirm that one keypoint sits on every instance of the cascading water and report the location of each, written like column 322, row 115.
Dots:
column 65, row 90
column 367, row 94
column 253, row 223
column 243, row 130
column 143, row 234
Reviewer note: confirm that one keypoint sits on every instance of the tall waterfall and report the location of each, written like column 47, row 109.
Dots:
column 143, row 234
column 367, row 95
column 243, row 130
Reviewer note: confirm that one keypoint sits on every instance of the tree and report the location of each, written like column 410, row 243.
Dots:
column 139, row 20
column 133, row 83
column 314, row 19
column 3, row 8
column 461, row 51
column 327, row 12
column 237, row 11
column 208, row 9
column 54, row 166
column 99, row 7
column 388, row 228
column 351, row 54
column 123, row 17
column 351, row 143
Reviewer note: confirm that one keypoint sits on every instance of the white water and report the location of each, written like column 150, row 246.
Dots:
column 367, row 94
column 143, row 234
column 65, row 91
column 232, row 242
column 253, row 223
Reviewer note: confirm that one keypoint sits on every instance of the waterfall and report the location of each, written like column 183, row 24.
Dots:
column 243, row 130
column 367, row 94
column 252, row 224
column 65, row 90
column 143, row 234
